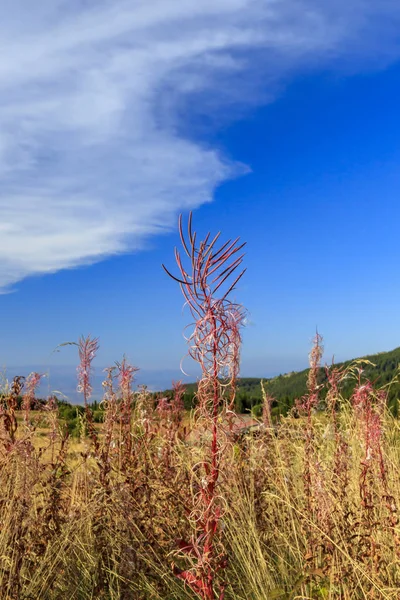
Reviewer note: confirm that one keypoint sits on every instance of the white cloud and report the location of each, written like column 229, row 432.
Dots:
column 92, row 155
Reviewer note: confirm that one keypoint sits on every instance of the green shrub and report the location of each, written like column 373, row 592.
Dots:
column 98, row 416
column 256, row 411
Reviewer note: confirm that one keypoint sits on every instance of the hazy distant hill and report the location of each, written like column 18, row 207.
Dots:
column 63, row 379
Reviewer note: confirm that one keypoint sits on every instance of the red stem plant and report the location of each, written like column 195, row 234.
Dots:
column 369, row 408
column 311, row 475
column 206, row 286
column 126, row 373
column 341, row 458
column 7, row 412
column 266, row 408
column 87, row 348
column 28, row 401
column 235, row 314
column 170, row 413
column 144, row 409
column 307, row 405
column 177, row 405
column 110, row 405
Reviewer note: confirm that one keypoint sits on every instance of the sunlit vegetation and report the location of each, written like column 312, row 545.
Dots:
column 138, row 497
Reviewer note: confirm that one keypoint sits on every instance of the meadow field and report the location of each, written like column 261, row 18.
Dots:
column 158, row 503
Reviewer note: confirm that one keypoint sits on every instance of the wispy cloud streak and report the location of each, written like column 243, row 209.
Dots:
column 92, row 155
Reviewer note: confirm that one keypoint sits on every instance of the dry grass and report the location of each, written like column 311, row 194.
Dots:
column 68, row 531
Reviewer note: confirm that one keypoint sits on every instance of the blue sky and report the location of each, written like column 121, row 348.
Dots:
column 276, row 121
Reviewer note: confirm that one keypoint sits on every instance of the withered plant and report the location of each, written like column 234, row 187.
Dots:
column 87, row 349
column 206, row 284
column 8, row 409
column 177, row 406
column 341, row 458
column 317, row 505
column 266, row 408
column 307, row 406
column 28, row 401
column 126, row 374
column 369, row 407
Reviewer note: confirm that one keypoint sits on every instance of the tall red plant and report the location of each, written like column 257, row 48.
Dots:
column 126, row 374
column 206, row 285
column 110, row 406
column 87, row 348
column 177, row 405
column 236, row 317
column 369, row 407
column 8, row 410
column 312, row 477
column 341, row 459
column 31, row 386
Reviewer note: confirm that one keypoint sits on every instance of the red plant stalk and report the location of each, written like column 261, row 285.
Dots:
column 164, row 413
column 87, row 348
column 51, row 409
column 8, row 411
column 214, row 345
column 311, row 400
column 369, row 407
column 389, row 499
column 370, row 422
column 341, row 458
column 110, row 405
column 170, row 412
column 31, row 385
column 144, row 410
column 177, row 405
column 164, row 408
column 266, row 408
column 126, row 373
column 307, row 404
column 362, row 404
column 165, row 428
column 235, row 314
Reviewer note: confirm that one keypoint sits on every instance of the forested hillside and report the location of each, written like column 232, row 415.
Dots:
column 286, row 388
